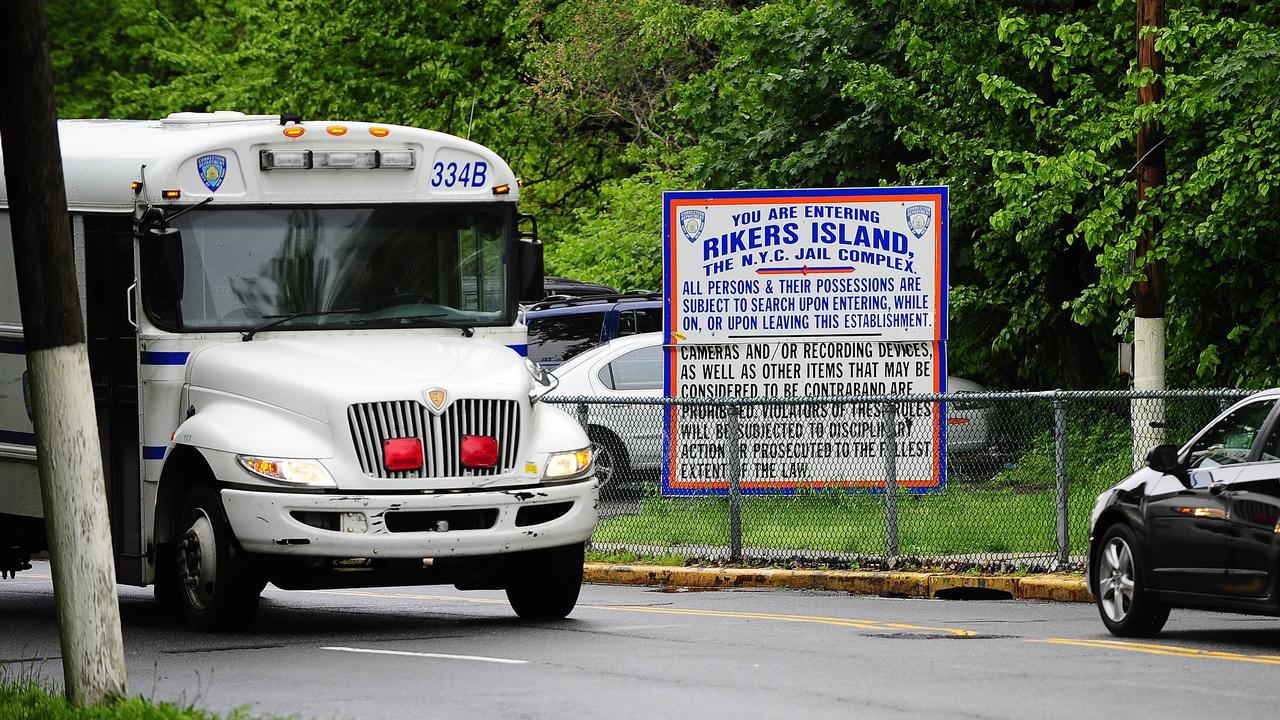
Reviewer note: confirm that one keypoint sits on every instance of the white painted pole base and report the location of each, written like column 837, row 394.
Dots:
column 1148, row 374
column 78, row 526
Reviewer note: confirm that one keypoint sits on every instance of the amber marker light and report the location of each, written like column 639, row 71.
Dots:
column 294, row 131
column 336, row 130
column 379, row 131
column 502, row 189
column 170, row 194
column 135, row 186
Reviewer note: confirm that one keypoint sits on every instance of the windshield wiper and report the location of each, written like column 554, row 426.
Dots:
column 435, row 322
column 282, row 319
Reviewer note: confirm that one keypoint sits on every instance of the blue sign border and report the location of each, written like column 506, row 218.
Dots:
column 784, row 196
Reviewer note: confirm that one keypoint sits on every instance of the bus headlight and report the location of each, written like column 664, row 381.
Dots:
column 569, row 464
column 293, row 472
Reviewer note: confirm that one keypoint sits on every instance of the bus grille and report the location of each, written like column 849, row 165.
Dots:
column 372, row 424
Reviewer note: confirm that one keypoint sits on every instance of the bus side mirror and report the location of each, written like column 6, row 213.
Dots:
column 162, row 265
column 531, row 268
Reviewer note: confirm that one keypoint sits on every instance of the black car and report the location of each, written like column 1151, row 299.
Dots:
column 1199, row 527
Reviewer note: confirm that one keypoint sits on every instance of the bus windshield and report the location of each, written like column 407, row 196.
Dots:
column 387, row 264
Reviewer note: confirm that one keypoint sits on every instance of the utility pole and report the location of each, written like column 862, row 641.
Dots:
column 1149, row 295
column 67, row 449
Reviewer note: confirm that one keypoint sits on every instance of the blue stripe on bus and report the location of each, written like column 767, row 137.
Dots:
column 153, row 452
column 521, row 350
column 13, row 347
column 163, row 358
column 17, row 438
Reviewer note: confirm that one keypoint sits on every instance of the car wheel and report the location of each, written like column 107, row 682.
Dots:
column 547, row 582
column 216, row 587
column 1122, row 599
column 611, row 466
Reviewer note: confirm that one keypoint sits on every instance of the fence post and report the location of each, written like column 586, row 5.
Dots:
column 582, row 416
column 890, row 413
column 735, row 485
column 1060, row 461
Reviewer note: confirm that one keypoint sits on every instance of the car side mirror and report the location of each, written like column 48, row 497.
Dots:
column 1164, row 459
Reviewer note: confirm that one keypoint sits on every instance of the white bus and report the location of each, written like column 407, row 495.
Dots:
column 306, row 365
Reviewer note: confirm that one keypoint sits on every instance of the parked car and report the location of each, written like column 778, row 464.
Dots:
column 560, row 328
column 554, row 286
column 628, row 439
column 1198, row 527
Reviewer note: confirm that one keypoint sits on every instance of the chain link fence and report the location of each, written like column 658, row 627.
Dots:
column 857, row 482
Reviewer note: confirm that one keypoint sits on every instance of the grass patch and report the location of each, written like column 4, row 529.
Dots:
column 630, row 558
column 29, row 701
column 962, row 520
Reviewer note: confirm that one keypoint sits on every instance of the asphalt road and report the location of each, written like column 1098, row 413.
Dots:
column 635, row 652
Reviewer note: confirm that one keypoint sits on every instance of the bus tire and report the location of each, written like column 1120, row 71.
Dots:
column 547, row 582
column 217, row 588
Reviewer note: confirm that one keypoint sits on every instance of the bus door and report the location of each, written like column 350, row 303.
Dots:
column 113, row 363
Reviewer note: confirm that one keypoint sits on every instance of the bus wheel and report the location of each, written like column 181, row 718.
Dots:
column 216, row 587
column 546, row 583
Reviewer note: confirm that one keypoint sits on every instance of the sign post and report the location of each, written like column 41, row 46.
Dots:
column 779, row 294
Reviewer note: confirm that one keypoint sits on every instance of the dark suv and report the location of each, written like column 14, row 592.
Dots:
column 562, row 328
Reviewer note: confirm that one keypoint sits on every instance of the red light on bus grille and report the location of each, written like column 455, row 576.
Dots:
column 294, row 131
column 400, row 454
column 479, row 451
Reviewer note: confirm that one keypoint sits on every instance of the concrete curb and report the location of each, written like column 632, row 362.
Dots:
column 1059, row 588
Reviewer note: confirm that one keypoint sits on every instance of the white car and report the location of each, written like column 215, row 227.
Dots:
column 628, row 438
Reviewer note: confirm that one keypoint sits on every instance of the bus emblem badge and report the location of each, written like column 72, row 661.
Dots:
column 213, row 169
column 436, row 400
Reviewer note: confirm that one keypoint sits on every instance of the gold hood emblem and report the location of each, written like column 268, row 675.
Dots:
column 436, row 400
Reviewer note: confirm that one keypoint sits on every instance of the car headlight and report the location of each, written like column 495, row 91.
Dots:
column 543, row 381
column 568, row 464
column 293, row 472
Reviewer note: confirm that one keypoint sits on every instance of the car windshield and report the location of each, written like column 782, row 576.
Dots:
column 392, row 265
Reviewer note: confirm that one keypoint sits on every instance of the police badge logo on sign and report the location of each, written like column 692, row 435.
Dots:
column 918, row 217
column 691, row 223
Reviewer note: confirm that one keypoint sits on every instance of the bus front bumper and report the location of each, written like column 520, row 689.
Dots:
column 412, row 526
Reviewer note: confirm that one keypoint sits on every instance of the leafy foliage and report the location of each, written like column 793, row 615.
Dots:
column 1026, row 110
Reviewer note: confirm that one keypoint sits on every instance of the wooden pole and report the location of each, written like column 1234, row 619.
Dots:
column 1149, row 296
column 67, row 448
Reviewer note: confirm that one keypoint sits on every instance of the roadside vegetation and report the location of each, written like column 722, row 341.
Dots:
column 1026, row 110
column 963, row 520
column 25, row 700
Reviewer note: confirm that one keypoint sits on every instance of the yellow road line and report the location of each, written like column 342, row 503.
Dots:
column 1167, row 650
column 814, row 619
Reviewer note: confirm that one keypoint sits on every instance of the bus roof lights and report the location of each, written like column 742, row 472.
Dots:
column 379, row 131
column 294, row 131
column 284, row 159
column 342, row 159
column 335, row 159
column 401, row 159
column 336, row 130
column 502, row 189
